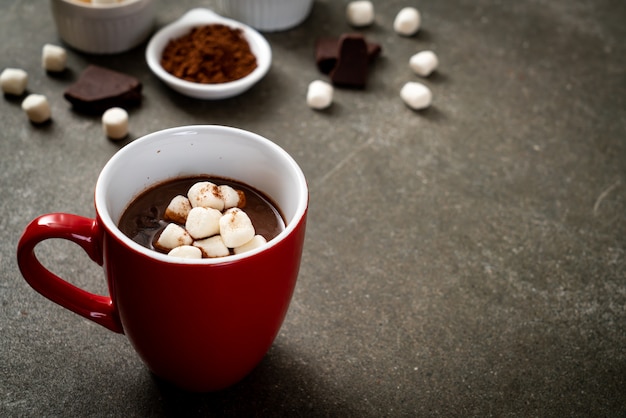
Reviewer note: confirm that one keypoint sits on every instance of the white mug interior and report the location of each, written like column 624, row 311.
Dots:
column 210, row 150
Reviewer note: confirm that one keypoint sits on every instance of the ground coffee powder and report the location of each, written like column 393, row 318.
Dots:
column 209, row 54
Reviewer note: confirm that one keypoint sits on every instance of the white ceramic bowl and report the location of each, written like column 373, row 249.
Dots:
column 268, row 15
column 103, row 28
column 199, row 17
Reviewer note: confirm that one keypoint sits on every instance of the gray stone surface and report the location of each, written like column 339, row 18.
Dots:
column 467, row 260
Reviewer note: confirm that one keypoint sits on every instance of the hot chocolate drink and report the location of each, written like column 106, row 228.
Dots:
column 145, row 219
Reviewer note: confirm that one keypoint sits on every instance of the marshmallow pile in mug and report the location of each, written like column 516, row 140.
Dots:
column 213, row 223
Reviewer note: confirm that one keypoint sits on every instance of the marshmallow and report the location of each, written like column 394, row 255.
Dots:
column 178, row 209
column 53, row 58
column 236, row 228
column 424, row 63
column 232, row 198
column 319, row 94
column 416, row 95
column 36, row 107
column 173, row 236
column 115, row 123
column 407, row 21
column 205, row 194
column 212, row 247
column 186, row 251
column 203, row 222
column 13, row 81
column 255, row 242
column 360, row 13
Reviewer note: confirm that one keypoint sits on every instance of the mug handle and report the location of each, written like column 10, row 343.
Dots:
column 88, row 235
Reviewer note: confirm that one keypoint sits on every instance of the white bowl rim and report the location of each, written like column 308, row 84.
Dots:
column 90, row 5
column 202, row 16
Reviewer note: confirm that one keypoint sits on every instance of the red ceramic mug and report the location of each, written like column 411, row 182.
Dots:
column 200, row 324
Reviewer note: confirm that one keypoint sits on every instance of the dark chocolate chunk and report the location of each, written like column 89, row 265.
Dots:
column 373, row 51
column 351, row 68
column 99, row 89
column 327, row 52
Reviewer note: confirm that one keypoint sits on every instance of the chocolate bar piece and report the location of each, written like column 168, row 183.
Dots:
column 351, row 68
column 327, row 52
column 99, row 89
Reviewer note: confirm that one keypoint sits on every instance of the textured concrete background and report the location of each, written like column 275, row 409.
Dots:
column 467, row 260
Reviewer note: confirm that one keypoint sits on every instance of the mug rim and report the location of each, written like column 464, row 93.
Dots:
column 106, row 219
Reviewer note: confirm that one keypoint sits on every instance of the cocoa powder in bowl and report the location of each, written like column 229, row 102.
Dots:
column 209, row 54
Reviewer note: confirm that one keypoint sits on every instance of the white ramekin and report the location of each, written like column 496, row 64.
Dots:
column 105, row 28
column 268, row 15
column 182, row 26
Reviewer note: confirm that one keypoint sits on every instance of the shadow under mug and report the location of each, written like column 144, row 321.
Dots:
column 200, row 324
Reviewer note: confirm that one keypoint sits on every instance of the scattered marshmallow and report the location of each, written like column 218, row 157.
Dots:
column 178, row 209
column 13, row 81
column 173, row 236
column 236, row 228
column 212, row 247
column 360, row 13
column 186, row 251
column 37, row 108
column 416, row 95
column 319, row 94
column 203, row 222
column 407, row 21
column 53, row 58
column 255, row 242
column 232, row 198
column 115, row 123
column 424, row 63
column 205, row 194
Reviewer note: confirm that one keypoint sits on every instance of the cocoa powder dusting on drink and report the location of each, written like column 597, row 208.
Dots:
column 209, row 54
